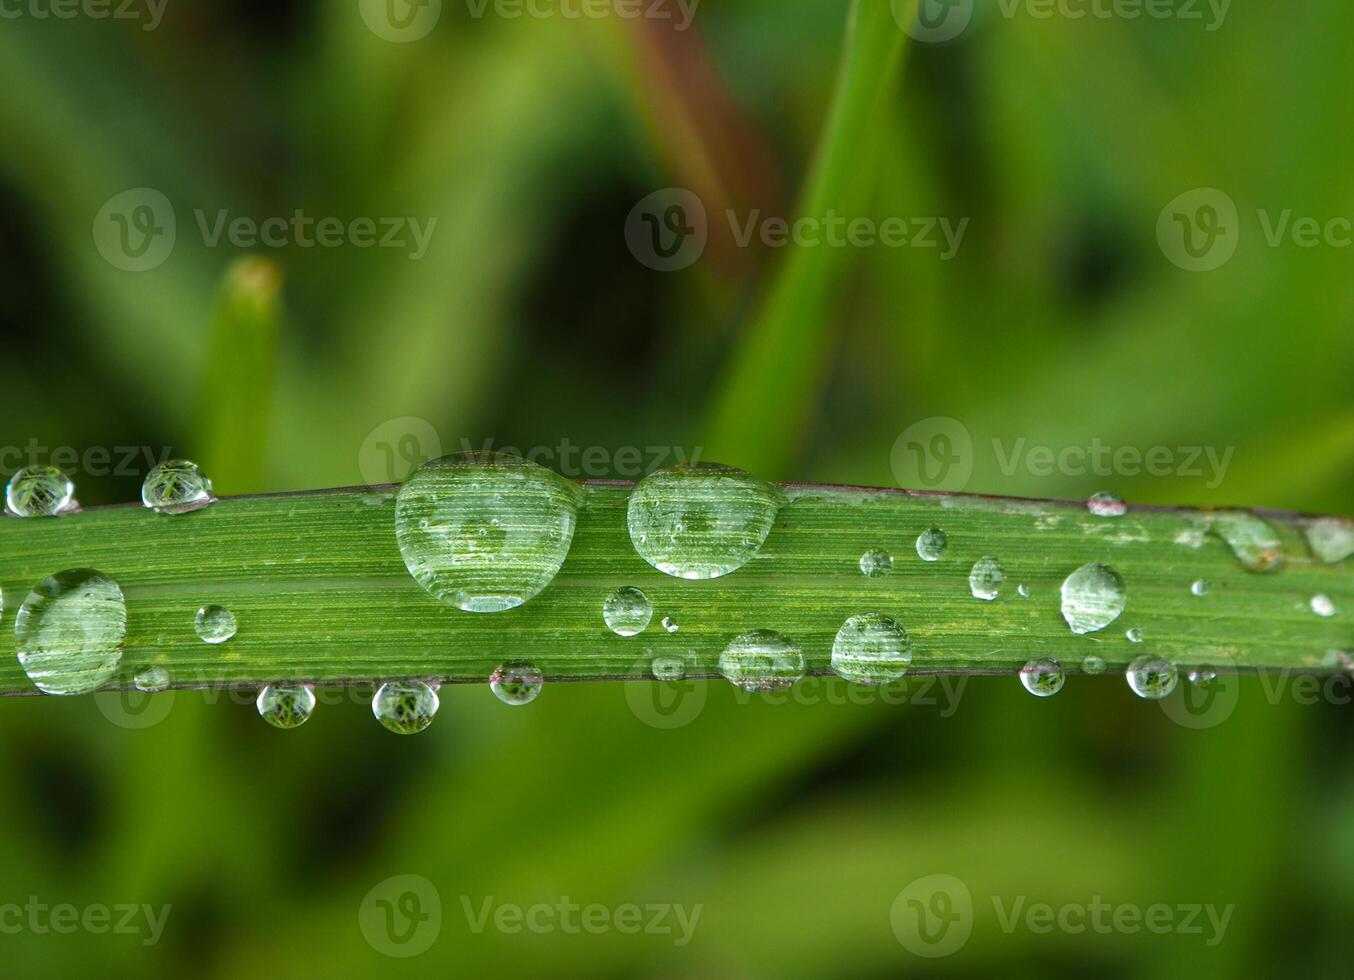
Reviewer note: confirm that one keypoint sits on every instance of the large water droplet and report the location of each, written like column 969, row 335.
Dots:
column 151, row 680
column 485, row 532
column 405, row 707
column 931, row 544
column 1323, row 606
column 516, row 684
column 627, row 611
column 876, row 563
column 70, row 630
column 1151, row 677
column 39, row 491
column 214, row 624
column 176, row 487
column 701, row 520
column 1092, row 597
column 1331, row 539
column 984, row 581
column 871, row 649
column 1042, row 678
column 1256, row 545
column 288, row 706
column 762, row 660
column 1106, row 504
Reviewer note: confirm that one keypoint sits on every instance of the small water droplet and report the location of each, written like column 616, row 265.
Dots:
column 1331, row 539
column 405, row 707
column 1255, row 544
column 1200, row 586
column 668, row 668
column 70, row 630
column 445, row 516
column 1134, row 634
column 1092, row 597
column 627, row 611
column 761, row 661
column 1093, row 665
column 39, row 491
column 214, row 624
column 876, row 563
column 1151, row 677
column 151, row 680
column 1323, row 606
column 1202, row 677
column 176, row 487
column 1042, row 678
column 670, row 624
column 984, row 581
column 1023, row 590
column 871, row 648
column 288, row 706
column 701, row 520
column 516, row 684
column 931, row 544
column 1106, row 504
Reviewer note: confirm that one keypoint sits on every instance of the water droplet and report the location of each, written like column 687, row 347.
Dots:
column 985, row 579
column 151, row 680
column 1151, row 677
column 1093, row 665
column 1134, row 634
column 1322, row 606
column 485, row 532
column 670, row 624
column 1023, row 590
column 762, row 660
column 1202, row 677
column 1331, row 539
column 627, row 611
column 1106, row 504
column 405, row 707
column 39, row 491
column 214, row 624
column 70, row 631
column 876, row 563
column 516, row 684
column 931, row 544
column 290, row 705
column 1042, row 678
column 871, row 649
column 701, row 520
column 1255, row 544
column 1200, row 586
column 1092, row 597
column 668, row 668
column 176, row 487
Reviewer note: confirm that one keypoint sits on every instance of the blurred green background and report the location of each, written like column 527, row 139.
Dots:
column 529, row 322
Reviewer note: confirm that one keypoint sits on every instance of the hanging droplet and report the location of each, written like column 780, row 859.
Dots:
column 1151, row 677
column 39, row 491
column 871, row 649
column 516, row 684
column 1255, row 544
column 762, row 661
column 984, row 581
column 1203, row 677
column 70, row 630
column 176, row 487
column 1331, row 539
column 214, row 624
column 1093, row 665
column 1106, row 504
column 405, row 707
column 931, row 544
column 701, row 520
column 668, row 668
column 876, row 563
column 1042, row 678
column 1323, row 606
column 1092, row 597
column 289, row 706
column 151, row 680
column 485, row 532
column 627, row 611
